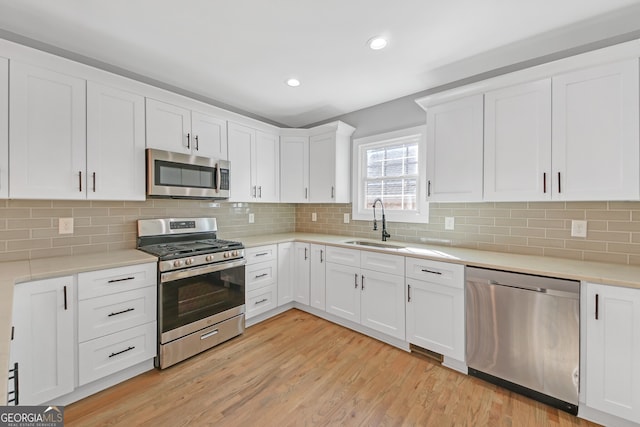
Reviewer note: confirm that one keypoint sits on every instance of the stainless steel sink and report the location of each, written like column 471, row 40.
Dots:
column 374, row 244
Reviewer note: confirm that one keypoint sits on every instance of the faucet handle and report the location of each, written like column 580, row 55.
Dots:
column 375, row 224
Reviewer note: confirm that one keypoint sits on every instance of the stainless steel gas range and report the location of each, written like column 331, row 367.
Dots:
column 201, row 285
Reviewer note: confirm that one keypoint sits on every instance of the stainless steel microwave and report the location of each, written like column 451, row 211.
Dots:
column 178, row 175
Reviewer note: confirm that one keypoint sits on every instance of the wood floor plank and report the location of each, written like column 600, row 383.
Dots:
column 299, row 370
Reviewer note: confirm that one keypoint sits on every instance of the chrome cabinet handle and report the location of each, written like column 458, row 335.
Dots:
column 262, row 254
column 305, row 254
column 321, row 252
column 260, row 192
column 306, row 193
column 362, row 286
column 197, row 146
column 64, row 290
column 188, row 142
column 120, row 312
column 122, row 351
column 254, row 192
column 544, row 182
column 408, row 293
column 355, row 280
column 559, row 186
column 332, row 192
column 261, row 301
column 431, row 271
column 94, row 182
column 80, row 181
column 261, row 275
column 429, row 188
column 597, row 306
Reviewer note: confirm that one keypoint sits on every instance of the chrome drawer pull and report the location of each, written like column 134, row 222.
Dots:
column 120, row 312
column 262, row 254
column 261, row 301
column 120, row 280
column 432, row 272
column 261, row 275
column 209, row 334
column 123, row 351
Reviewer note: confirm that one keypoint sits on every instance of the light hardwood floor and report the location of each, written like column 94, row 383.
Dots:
column 299, row 370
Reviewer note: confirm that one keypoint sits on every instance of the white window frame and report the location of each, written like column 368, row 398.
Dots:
column 360, row 212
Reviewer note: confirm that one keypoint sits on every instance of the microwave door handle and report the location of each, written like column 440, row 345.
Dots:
column 218, row 177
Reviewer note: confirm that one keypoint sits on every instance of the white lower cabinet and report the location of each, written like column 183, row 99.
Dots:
column 285, row 273
column 117, row 325
column 435, row 306
column 261, row 280
column 301, row 272
column 318, row 256
column 370, row 296
column 43, row 340
column 613, row 350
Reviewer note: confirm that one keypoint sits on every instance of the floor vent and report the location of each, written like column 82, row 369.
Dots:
column 426, row 353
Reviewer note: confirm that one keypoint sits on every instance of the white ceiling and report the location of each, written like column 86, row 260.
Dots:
column 240, row 52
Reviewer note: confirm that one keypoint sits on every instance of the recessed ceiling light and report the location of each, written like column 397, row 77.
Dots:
column 293, row 82
column 377, row 42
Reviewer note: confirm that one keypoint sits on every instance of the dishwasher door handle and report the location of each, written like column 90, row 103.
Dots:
column 551, row 292
column 525, row 287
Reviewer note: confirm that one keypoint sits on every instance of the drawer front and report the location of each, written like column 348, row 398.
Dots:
column 443, row 273
column 261, row 254
column 261, row 275
column 261, row 300
column 384, row 263
column 105, row 282
column 112, row 313
column 112, row 353
column 343, row 256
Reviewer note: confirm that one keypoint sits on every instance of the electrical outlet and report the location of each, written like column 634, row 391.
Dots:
column 449, row 222
column 65, row 226
column 578, row 228
column 346, row 218
column 252, row 218
column 314, row 217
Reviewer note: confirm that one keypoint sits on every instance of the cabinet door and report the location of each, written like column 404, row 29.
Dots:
column 267, row 161
column 454, row 150
column 517, row 143
column 47, row 134
column 343, row 291
column 595, row 133
column 301, row 276
column 115, row 144
column 44, row 342
column 318, row 275
column 435, row 318
column 4, row 128
column 285, row 272
column 322, row 168
column 382, row 302
column 168, row 127
column 294, row 169
column 241, row 151
column 613, row 350
column 209, row 136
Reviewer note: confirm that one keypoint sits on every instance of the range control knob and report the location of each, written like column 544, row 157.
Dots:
column 189, row 261
column 209, row 258
column 235, row 253
column 177, row 263
column 226, row 255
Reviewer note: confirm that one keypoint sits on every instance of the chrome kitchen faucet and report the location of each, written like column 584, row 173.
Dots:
column 385, row 234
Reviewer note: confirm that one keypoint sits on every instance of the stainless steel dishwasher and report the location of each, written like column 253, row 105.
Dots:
column 523, row 333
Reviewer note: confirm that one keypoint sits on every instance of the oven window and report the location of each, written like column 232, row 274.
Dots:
column 188, row 300
column 184, row 175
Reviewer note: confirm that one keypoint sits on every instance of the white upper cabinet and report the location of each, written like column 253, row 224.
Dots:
column 454, row 150
column 115, row 144
column 47, row 134
column 330, row 165
column 517, row 142
column 294, row 169
column 255, row 159
column 174, row 128
column 595, row 133
column 4, row 128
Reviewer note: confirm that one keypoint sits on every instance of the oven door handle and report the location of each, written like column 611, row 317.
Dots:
column 196, row 271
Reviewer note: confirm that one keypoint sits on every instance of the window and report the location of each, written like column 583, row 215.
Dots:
column 391, row 167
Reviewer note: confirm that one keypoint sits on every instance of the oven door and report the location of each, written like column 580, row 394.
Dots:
column 192, row 299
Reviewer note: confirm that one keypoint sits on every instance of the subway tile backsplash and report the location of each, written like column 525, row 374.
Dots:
column 531, row 228
column 29, row 228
